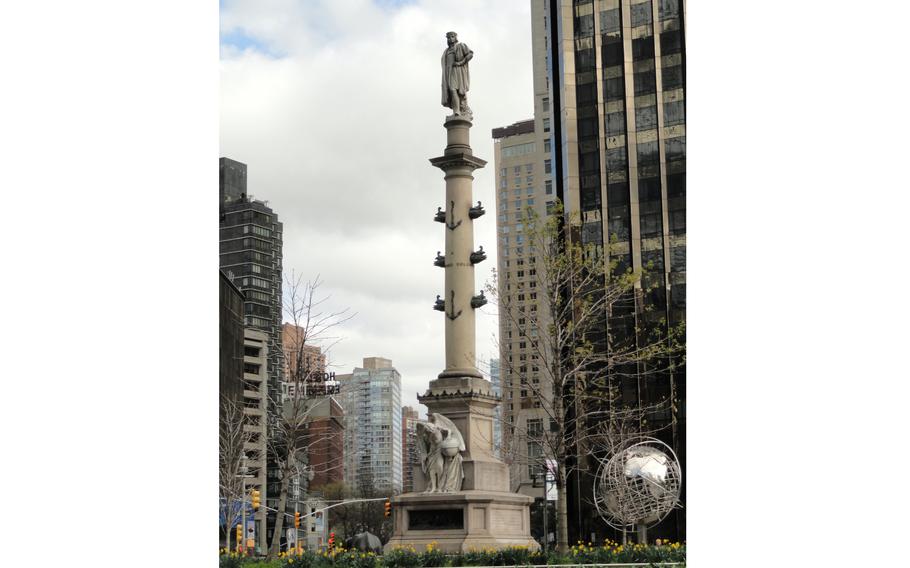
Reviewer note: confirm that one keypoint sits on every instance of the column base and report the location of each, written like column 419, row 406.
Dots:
column 459, row 522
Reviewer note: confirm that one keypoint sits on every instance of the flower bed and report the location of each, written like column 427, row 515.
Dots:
column 408, row 557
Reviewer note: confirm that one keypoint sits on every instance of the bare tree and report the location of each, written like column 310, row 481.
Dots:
column 569, row 361
column 232, row 439
column 305, row 355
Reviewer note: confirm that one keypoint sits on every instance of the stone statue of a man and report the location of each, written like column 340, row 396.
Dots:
column 456, row 76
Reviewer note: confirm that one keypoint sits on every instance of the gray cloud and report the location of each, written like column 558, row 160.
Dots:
column 337, row 133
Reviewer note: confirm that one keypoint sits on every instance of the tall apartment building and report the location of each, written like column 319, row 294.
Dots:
column 496, row 384
column 250, row 253
column 524, row 181
column 230, row 375
column 324, row 442
column 230, row 345
column 371, row 397
column 410, row 457
column 311, row 367
column 255, row 388
column 609, row 117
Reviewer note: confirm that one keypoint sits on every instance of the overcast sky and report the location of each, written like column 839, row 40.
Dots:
column 335, row 108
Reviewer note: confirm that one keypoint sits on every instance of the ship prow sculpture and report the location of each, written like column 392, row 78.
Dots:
column 461, row 497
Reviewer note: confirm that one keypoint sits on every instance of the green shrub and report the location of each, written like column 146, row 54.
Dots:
column 228, row 561
column 402, row 558
column 432, row 557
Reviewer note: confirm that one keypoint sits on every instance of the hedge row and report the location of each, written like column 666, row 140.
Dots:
column 432, row 557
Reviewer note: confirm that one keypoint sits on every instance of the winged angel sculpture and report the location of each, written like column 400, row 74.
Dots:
column 441, row 445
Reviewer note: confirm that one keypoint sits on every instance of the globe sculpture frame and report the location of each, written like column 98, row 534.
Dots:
column 638, row 486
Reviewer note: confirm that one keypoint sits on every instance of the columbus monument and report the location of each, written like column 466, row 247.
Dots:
column 461, row 498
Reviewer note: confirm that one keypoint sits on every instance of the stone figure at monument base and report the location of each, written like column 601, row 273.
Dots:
column 441, row 445
column 461, row 497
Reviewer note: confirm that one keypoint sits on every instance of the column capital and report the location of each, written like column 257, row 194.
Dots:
column 459, row 160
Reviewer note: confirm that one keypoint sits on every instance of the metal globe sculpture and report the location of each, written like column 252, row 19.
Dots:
column 638, row 485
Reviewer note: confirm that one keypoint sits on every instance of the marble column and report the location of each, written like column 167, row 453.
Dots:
column 458, row 162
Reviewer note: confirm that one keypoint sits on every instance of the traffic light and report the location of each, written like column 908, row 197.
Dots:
column 255, row 498
column 239, row 536
column 388, row 508
column 331, row 541
column 296, row 520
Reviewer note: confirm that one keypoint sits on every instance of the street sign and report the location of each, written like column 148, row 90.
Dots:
column 551, row 481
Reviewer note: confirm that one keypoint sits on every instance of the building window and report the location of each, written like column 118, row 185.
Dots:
column 545, row 104
column 616, row 158
column 590, row 198
column 643, row 47
column 646, row 118
column 616, row 123
column 641, row 14
column 653, row 260
column 648, row 153
column 592, row 233
column 610, row 20
column 668, row 9
column 674, row 113
column 675, row 149
column 548, row 187
column 670, row 42
column 614, row 89
column 645, row 83
column 584, row 26
column 672, row 77
column 650, row 225
column 618, row 194
column 678, row 258
column 611, row 52
column 546, row 125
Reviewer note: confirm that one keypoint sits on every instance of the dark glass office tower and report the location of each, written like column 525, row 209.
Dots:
column 613, row 73
column 251, row 241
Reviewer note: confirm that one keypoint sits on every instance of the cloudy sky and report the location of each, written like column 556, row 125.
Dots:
column 335, row 108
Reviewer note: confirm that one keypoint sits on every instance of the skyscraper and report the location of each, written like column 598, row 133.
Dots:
column 496, row 383
column 255, row 364
column 251, row 245
column 371, row 397
column 524, row 180
column 230, row 304
column 609, row 100
column 409, row 453
column 305, row 381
